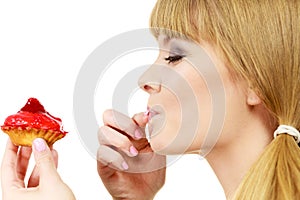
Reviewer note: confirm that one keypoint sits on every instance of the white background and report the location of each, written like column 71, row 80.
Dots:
column 42, row 47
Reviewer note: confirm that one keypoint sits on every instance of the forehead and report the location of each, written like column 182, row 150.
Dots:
column 165, row 40
column 165, row 35
column 177, row 44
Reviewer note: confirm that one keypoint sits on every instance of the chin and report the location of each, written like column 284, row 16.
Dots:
column 157, row 146
column 165, row 148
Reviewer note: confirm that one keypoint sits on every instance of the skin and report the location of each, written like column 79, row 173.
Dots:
column 167, row 92
column 247, row 125
column 119, row 182
column 44, row 182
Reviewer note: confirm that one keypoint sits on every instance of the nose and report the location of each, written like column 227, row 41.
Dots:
column 150, row 80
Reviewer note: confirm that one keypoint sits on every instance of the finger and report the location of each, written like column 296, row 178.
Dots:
column 141, row 119
column 22, row 161
column 111, row 158
column 55, row 157
column 8, row 169
column 110, row 137
column 45, row 163
column 34, row 178
column 104, row 170
column 122, row 123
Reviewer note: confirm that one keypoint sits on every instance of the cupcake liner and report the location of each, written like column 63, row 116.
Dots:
column 24, row 136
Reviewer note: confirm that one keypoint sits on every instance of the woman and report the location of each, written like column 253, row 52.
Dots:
column 254, row 46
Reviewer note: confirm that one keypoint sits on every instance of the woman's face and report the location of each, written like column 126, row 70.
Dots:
column 189, row 86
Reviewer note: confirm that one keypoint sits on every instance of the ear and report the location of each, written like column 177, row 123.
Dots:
column 252, row 98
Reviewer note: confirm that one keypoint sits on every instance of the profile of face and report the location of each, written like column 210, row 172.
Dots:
column 190, row 88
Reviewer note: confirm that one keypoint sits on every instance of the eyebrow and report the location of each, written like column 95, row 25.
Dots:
column 166, row 40
column 178, row 50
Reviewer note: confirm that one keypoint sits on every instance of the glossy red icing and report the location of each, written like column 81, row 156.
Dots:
column 33, row 105
column 33, row 115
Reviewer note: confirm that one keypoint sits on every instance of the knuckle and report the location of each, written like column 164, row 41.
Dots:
column 115, row 160
column 138, row 115
column 107, row 136
column 103, row 135
column 108, row 115
column 100, row 135
column 105, row 156
column 122, row 144
column 44, row 158
column 119, row 121
column 101, row 131
column 104, row 132
column 100, row 154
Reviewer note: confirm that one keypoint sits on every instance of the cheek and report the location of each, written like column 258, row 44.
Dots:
column 187, row 119
column 236, row 115
column 204, row 114
column 163, row 138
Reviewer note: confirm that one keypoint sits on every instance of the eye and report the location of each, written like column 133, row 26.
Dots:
column 173, row 59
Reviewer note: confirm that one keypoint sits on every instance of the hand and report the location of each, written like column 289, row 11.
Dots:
column 127, row 165
column 44, row 182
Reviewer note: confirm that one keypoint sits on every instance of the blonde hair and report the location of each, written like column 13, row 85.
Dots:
column 260, row 41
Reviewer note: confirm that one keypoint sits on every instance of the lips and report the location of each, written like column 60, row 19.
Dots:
column 151, row 113
column 156, row 120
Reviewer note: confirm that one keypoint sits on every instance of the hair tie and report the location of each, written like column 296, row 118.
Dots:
column 285, row 129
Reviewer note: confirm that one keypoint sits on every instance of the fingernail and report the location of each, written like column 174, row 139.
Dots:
column 124, row 165
column 133, row 151
column 39, row 144
column 146, row 113
column 137, row 134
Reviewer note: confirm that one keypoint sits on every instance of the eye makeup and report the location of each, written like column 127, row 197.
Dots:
column 176, row 54
column 173, row 59
column 176, row 49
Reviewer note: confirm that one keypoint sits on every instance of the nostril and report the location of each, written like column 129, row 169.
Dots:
column 147, row 87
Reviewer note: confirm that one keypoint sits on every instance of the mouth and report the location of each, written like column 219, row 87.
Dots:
column 151, row 112
column 156, row 120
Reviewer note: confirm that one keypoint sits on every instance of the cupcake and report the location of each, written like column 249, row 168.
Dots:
column 31, row 122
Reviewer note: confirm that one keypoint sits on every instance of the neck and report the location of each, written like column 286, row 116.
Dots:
column 232, row 160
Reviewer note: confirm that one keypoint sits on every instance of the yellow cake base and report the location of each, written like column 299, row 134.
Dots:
column 25, row 136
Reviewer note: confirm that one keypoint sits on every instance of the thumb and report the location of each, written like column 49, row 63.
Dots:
column 45, row 163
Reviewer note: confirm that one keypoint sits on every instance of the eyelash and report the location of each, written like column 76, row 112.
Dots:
column 173, row 59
